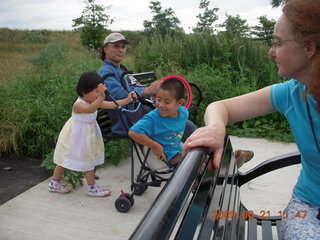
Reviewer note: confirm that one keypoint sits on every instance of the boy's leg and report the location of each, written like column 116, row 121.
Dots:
column 176, row 159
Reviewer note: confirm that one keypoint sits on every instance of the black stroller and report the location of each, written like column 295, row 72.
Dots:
column 148, row 174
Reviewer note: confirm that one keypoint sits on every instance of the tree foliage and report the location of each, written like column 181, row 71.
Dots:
column 92, row 24
column 163, row 22
column 235, row 26
column 264, row 31
column 206, row 19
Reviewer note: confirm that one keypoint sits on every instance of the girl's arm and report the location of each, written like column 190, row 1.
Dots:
column 121, row 102
column 83, row 108
column 143, row 139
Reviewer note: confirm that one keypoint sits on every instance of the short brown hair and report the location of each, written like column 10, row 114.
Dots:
column 175, row 86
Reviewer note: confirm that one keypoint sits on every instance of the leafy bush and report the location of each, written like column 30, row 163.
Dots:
column 222, row 68
column 47, row 56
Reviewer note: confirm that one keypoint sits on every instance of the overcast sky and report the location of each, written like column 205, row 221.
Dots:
column 127, row 14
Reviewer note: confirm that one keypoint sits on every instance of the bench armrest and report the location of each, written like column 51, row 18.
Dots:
column 269, row 165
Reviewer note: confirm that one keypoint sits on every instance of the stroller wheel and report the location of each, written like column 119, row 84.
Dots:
column 122, row 204
column 130, row 197
column 139, row 189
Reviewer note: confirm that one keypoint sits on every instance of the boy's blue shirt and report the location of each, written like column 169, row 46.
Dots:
column 287, row 98
column 167, row 131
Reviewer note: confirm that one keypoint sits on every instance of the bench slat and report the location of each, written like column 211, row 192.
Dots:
column 252, row 229
column 230, row 194
column 224, row 200
column 278, row 222
column 234, row 202
column 145, row 77
column 196, row 211
column 266, row 230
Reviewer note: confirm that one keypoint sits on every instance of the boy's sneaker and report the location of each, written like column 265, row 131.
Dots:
column 98, row 191
column 55, row 186
column 243, row 156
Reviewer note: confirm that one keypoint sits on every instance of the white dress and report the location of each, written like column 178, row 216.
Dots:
column 80, row 145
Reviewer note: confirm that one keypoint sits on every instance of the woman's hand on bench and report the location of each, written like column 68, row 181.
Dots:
column 210, row 136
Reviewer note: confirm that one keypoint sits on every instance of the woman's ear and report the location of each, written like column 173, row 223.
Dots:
column 310, row 48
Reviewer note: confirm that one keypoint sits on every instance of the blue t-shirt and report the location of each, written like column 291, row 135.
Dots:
column 287, row 98
column 167, row 131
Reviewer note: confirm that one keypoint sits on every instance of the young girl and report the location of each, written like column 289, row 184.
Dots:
column 80, row 145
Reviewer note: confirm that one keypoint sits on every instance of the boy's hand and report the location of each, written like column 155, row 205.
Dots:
column 158, row 151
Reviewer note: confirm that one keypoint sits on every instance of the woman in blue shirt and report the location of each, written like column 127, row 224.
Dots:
column 296, row 50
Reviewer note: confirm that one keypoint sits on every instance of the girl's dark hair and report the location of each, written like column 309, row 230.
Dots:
column 175, row 86
column 88, row 81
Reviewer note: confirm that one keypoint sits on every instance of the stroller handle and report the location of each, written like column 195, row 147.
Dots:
column 118, row 106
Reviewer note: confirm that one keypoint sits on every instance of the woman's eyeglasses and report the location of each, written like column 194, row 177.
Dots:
column 277, row 43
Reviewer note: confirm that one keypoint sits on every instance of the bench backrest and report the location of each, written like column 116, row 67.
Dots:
column 189, row 205
column 213, row 209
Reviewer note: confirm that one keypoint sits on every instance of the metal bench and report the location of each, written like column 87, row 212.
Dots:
column 198, row 203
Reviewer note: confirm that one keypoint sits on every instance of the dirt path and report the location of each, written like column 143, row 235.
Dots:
column 18, row 175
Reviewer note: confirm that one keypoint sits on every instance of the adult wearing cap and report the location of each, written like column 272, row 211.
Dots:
column 112, row 54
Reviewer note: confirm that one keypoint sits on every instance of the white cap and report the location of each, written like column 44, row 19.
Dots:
column 115, row 37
